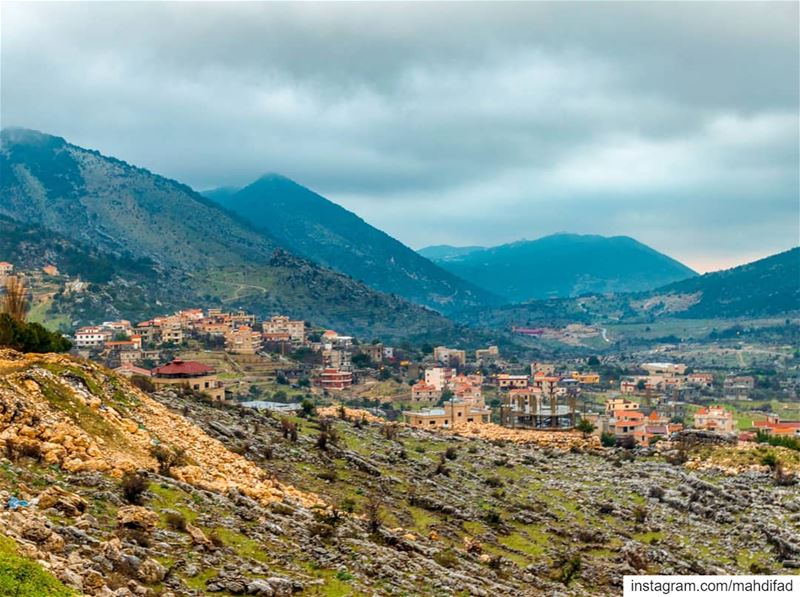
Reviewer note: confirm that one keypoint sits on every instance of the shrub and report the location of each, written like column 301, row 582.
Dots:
column 133, row 486
column 608, row 440
column 585, row 427
column 176, row 521
column 289, row 429
column 446, row 558
column 639, row 514
column 373, row 511
column 30, row 337
column 144, row 384
column 389, row 431
column 770, row 459
column 493, row 517
column 494, row 481
column 328, row 474
column 167, row 458
column 792, row 443
column 568, row 570
column 451, row 453
column 216, row 539
column 308, row 409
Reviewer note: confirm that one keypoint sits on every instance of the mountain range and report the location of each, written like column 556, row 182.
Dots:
column 561, row 265
column 147, row 244
column 769, row 287
column 191, row 247
column 320, row 230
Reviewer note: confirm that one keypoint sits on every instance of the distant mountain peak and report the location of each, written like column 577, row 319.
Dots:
column 321, row 230
column 561, row 265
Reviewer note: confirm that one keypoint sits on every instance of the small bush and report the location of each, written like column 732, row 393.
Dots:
column 133, row 486
column 446, row 558
column 176, row 521
column 167, row 458
column 144, row 384
column 608, row 440
column 215, row 538
column 494, row 481
column 640, row 514
column 328, row 474
column 451, row 453
column 493, row 517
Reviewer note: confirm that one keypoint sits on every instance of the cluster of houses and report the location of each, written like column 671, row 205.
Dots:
column 126, row 346
column 121, row 343
column 543, row 399
column 463, row 400
column 7, row 270
column 673, row 379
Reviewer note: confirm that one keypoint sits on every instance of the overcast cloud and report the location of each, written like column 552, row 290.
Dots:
column 674, row 123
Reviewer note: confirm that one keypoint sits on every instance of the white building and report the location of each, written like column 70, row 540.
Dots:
column 438, row 377
column 92, row 336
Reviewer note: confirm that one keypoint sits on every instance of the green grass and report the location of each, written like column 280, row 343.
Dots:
column 198, row 583
column 241, row 544
column 172, row 499
column 336, row 584
column 20, row 577
column 422, row 519
column 519, row 542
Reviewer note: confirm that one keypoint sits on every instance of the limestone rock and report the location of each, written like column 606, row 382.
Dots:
column 68, row 503
column 137, row 518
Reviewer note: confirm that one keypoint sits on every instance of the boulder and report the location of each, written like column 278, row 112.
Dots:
column 198, row 536
column 151, row 572
column 137, row 518
column 66, row 502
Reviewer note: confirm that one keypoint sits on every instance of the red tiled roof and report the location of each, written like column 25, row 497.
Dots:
column 180, row 367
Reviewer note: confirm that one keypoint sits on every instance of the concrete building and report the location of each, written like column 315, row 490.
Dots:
column 334, row 379
column 243, row 340
column 92, row 337
column 192, row 374
column 439, row 377
column 450, row 357
column 485, row 356
column 506, row 381
column 454, row 413
column 629, row 423
column 279, row 325
column 714, row 418
column 424, row 392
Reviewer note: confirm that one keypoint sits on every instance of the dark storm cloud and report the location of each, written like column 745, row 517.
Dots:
column 472, row 123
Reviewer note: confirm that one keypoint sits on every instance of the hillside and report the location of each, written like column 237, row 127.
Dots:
column 564, row 265
column 769, row 286
column 447, row 252
column 324, row 232
column 235, row 504
column 184, row 241
column 765, row 288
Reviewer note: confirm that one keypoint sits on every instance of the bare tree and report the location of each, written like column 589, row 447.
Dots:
column 15, row 300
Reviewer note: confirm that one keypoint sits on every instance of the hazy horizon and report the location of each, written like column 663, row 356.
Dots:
column 442, row 123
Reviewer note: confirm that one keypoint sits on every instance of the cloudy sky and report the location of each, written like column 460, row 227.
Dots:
column 482, row 123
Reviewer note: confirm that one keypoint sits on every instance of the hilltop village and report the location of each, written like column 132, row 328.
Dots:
column 279, row 362
column 271, row 455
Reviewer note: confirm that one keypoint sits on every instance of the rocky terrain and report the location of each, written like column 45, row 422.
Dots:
column 130, row 494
